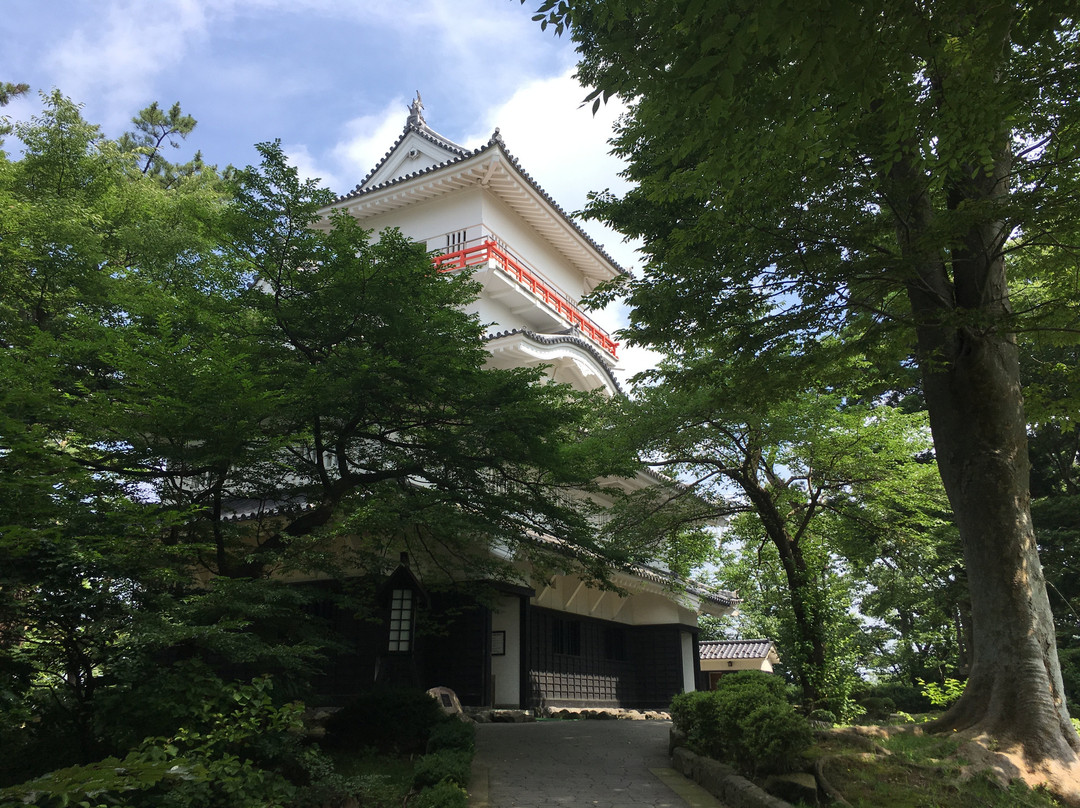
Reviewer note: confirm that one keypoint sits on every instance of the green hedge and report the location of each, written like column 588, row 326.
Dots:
column 446, row 764
column 387, row 719
column 442, row 795
column 452, row 734
column 747, row 722
column 443, row 773
column 904, row 697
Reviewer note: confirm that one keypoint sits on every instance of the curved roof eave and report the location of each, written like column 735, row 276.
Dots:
column 668, row 582
column 549, row 340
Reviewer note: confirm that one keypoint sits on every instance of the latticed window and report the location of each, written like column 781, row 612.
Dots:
column 401, row 620
column 566, row 637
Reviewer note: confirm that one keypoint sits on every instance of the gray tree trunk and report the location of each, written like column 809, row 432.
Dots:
column 971, row 380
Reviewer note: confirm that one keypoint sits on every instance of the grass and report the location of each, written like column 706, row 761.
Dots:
column 913, row 771
column 385, row 779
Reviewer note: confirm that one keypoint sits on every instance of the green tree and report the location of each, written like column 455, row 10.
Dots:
column 9, row 91
column 802, row 171
column 81, row 557
column 802, row 472
column 205, row 386
column 750, row 564
column 154, row 129
column 915, row 596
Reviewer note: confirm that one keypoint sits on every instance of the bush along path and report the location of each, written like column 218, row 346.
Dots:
column 242, row 748
column 406, row 723
column 746, row 727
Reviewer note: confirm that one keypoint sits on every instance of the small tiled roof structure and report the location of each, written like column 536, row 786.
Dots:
column 736, row 649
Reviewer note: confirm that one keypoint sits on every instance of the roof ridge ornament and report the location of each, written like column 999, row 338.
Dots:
column 416, row 112
column 497, row 137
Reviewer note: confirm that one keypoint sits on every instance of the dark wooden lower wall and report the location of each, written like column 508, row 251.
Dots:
column 451, row 648
column 569, row 661
column 455, row 649
column 583, row 662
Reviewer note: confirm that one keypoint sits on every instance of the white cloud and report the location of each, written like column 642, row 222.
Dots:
column 564, row 147
column 117, row 58
column 307, row 166
column 364, row 141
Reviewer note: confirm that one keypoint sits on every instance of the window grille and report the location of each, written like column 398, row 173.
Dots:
column 566, row 637
column 401, row 619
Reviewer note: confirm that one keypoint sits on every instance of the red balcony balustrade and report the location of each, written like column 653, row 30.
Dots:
column 490, row 251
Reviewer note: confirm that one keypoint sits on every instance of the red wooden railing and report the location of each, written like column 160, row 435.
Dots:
column 541, row 289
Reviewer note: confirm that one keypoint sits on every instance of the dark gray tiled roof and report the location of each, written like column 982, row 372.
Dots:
column 735, row 649
column 720, row 596
column 495, row 142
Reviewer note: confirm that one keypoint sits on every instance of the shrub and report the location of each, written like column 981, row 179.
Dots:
column 747, row 721
column 824, row 716
column 447, row 764
column 441, row 795
column 387, row 719
column 224, row 758
column 452, row 734
column 773, row 737
column 877, row 708
column 692, row 711
column 907, row 698
column 327, row 785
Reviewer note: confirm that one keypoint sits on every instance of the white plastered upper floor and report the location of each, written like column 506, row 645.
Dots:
column 644, row 602
column 448, row 197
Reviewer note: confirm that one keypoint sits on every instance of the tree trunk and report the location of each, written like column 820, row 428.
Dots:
column 964, row 640
column 971, row 380
column 1014, row 689
column 807, row 621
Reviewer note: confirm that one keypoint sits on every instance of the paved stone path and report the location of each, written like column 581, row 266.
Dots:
column 596, row 764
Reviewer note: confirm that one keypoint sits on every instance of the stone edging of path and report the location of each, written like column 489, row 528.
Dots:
column 722, row 781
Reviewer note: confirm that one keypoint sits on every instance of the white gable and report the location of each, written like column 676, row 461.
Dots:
column 411, row 154
column 418, row 149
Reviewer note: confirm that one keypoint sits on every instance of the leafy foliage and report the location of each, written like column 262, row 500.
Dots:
column 944, row 693
column 445, row 764
column 452, row 734
column 9, row 91
column 815, row 484
column 207, row 385
column 841, row 192
column 386, row 718
column 746, row 721
column 225, row 757
column 444, row 794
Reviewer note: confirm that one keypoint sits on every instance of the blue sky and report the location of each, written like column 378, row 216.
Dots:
column 331, row 79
